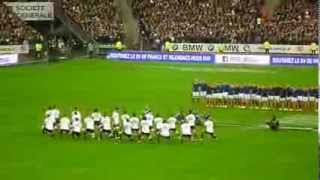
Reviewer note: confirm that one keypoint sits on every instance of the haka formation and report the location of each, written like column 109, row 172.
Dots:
column 122, row 126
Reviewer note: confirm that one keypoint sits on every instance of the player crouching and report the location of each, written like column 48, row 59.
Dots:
column 76, row 126
column 164, row 131
column 48, row 125
column 186, row 132
column 209, row 128
column 105, row 127
column 64, row 125
column 274, row 124
column 90, row 123
column 127, row 130
column 145, row 133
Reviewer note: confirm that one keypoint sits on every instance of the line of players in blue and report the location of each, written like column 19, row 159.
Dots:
column 256, row 97
column 120, row 125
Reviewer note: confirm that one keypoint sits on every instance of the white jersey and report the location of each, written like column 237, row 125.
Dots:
column 124, row 118
column 172, row 122
column 158, row 122
column 64, row 123
column 89, row 123
column 209, row 126
column 186, row 129
column 149, row 117
column 145, row 126
column 48, row 113
column 106, row 123
column 56, row 113
column 134, row 122
column 49, row 123
column 191, row 119
column 96, row 116
column 115, row 118
column 75, row 115
column 165, row 130
column 77, row 125
column 127, row 128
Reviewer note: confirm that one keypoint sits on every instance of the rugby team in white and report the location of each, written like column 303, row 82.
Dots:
column 121, row 125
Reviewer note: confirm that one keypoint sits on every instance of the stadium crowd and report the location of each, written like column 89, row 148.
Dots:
column 13, row 30
column 96, row 17
column 236, row 21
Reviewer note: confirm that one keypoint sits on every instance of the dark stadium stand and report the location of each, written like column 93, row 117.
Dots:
column 245, row 21
column 13, row 30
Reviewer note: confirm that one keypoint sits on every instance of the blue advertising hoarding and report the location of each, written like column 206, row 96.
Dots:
column 294, row 60
column 161, row 56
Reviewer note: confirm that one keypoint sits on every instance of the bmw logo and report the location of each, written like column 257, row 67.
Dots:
column 211, row 47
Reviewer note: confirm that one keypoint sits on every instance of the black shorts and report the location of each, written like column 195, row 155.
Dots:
column 97, row 123
column 145, row 134
column 106, row 131
column 48, row 130
column 135, row 130
column 186, row 136
column 89, row 130
column 165, row 137
column 75, row 133
column 64, row 130
column 127, row 135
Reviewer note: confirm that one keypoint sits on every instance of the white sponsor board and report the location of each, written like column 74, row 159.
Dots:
column 8, row 59
column 240, row 48
column 14, row 49
column 33, row 11
column 243, row 59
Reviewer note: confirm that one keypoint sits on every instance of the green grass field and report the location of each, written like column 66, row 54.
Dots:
column 242, row 153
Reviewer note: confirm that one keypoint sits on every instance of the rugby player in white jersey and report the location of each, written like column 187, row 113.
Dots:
column 105, row 128
column 145, row 129
column 48, row 125
column 164, row 130
column 134, row 120
column 191, row 119
column 127, row 130
column 90, row 122
column 172, row 124
column 48, row 112
column 209, row 127
column 149, row 117
column 96, row 116
column 75, row 114
column 116, row 118
column 76, row 128
column 158, row 121
column 124, row 117
column 56, row 113
column 186, row 132
column 64, row 125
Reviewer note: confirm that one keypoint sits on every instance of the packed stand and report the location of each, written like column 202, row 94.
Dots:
column 235, row 21
column 13, row 30
column 97, row 18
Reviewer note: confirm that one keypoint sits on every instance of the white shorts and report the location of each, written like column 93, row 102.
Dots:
column 305, row 99
column 264, row 98
column 195, row 94
column 203, row 93
column 277, row 98
column 270, row 98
